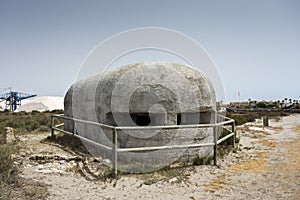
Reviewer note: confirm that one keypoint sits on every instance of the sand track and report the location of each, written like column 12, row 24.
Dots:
column 266, row 165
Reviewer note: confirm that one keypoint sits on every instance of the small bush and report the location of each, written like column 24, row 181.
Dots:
column 8, row 170
column 243, row 118
column 2, row 139
column 43, row 129
column 44, row 120
column 26, row 122
column 57, row 112
column 261, row 105
column 31, row 125
column 239, row 119
column 34, row 112
column 12, row 123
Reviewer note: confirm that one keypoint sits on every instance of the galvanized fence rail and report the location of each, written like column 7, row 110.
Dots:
column 115, row 149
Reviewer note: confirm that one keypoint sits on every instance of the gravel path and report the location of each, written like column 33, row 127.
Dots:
column 266, row 165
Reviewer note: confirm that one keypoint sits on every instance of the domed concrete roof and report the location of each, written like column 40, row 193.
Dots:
column 140, row 88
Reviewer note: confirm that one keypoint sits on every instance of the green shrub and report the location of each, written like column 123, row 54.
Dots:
column 57, row 112
column 31, row 125
column 261, row 105
column 2, row 129
column 243, row 118
column 34, row 112
column 11, row 123
column 43, row 129
column 44, row 120
column 8, row 169
column 23, row 122
column 239, row 119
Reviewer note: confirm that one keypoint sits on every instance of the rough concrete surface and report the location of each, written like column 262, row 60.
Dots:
column 162, row 90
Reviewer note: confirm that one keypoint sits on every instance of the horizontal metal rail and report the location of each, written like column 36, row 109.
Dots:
column 115, row 149
column 61, row 116
column 225, row 138
column 59, row 125
column 227, row 129
column 225, row 117
column 164, row 147
column 225, row 122
column 164, row 127
column 83, row 138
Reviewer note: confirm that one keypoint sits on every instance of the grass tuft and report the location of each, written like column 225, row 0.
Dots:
column 8, row 169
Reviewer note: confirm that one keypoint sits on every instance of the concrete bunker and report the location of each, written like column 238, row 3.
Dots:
column 142, row 95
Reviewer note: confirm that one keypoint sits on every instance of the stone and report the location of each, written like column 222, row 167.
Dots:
column 9, row 134
column 173, row 180
column 40, row 167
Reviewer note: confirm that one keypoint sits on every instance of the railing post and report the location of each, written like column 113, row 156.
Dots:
column 233, row 137
column 114, row 153
column 215, row 146
column 74, row 124
column 52, row 125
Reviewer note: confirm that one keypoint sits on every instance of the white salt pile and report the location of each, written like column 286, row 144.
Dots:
column 40, row 104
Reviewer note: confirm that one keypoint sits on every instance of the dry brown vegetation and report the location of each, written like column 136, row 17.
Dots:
column 218, row 183
column 268, row 143
column 12, row 186
column 292, row 154
column 297, row 129
column 256, row 164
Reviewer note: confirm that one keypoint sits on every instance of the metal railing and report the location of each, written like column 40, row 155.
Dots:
column 115, row 149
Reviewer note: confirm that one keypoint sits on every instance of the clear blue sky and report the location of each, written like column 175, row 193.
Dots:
column 255, row 44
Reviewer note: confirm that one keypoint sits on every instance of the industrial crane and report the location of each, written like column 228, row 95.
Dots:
column 13, row 98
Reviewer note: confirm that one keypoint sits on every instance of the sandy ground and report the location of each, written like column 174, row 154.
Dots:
column 265, row 165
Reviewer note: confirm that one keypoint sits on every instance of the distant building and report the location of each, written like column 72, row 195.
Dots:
column 241, row 104
column 252, row 103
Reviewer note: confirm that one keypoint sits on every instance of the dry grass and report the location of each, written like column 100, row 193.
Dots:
column 288, row 167
column 12, row 186
column 256, row 165
column 254, row 133
column 292, row 155
column 297, row 129
column 68, row 143
column 291, row 168
column 268, row 143
column 257, row 135
column 8, row 169
column 180, row 173
column 276, row 128
column 218, row 183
